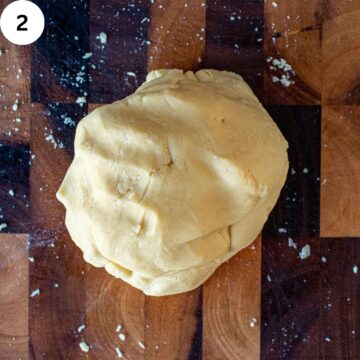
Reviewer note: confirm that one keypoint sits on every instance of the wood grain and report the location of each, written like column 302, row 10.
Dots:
column 341, row 51
column 177, row 34
column 125, row 51
column 234, row 39
column 14, row 296
column 50, row 162
column 340, row 171
column 297, row 211
column 111, row 302
column 231, row 303
column 59, row 71
column 293, row 31
column 172, row 326
column 58, row 266
column 15, row 85
column 340, row 316
column 290, row 299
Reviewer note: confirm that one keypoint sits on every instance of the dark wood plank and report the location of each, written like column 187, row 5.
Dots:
column 232, row 308
column 118, row 66
column 293, row 31
column 14, row 187
column 340, row 294
column 59, row 71
column 14, row 296
column 14, row 88
column 52, row 148
column 290, row 299
column 234, row 39
column 298, row 210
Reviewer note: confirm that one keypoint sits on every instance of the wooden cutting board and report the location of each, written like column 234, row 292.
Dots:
column 271, row 301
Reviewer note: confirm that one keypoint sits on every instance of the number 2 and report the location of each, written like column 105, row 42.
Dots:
column 20, row 26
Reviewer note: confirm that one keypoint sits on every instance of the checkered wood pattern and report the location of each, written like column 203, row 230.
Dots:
column 303, row 309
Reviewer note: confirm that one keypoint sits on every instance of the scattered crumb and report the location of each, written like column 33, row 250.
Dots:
column 282, row 231
column 122, row 337
column 305, row 252
column 84, row 346
column 305, row 170
column 3, row 226
column 253, row 322
column 119, row 353
column 268, row 277
column 355, row 269
column 69, row 121
column 87, row 55
column 11, row 192
column 31, row 259
column 81, row 100
column 130, row 73
column 36, row 292
column 141, row 344
column 102, row 37
column 118, row 328
column 15, row 106
column 274, row 4
column 327, row 338
column 323, row 259
column 291, row 243
column 56, row 285
column 81, row 328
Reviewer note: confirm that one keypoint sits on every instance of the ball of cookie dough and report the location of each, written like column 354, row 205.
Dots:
column 172, row 181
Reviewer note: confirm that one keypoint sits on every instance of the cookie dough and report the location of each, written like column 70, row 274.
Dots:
column 172, row 181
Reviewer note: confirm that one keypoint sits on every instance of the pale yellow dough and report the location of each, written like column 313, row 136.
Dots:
column 172, row 181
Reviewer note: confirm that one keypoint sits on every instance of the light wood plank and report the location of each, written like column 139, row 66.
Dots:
column 340, row 171
column 177, row 34
column 341, row 52
column 231, row 319
column 293, row 33
column 14, row 296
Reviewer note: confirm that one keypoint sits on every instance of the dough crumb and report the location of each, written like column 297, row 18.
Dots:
column 84, row 346
column 81, row 328
column 305, row 252
column 119, row 353
column 355, row 269
column 122, row 337
column 291, row 243
column 141, row 344
column 102, row 37
column 87, row 55
column 118, row 328
column 35, row 292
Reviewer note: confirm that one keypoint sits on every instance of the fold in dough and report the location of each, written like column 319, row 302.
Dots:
column 172, row 181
